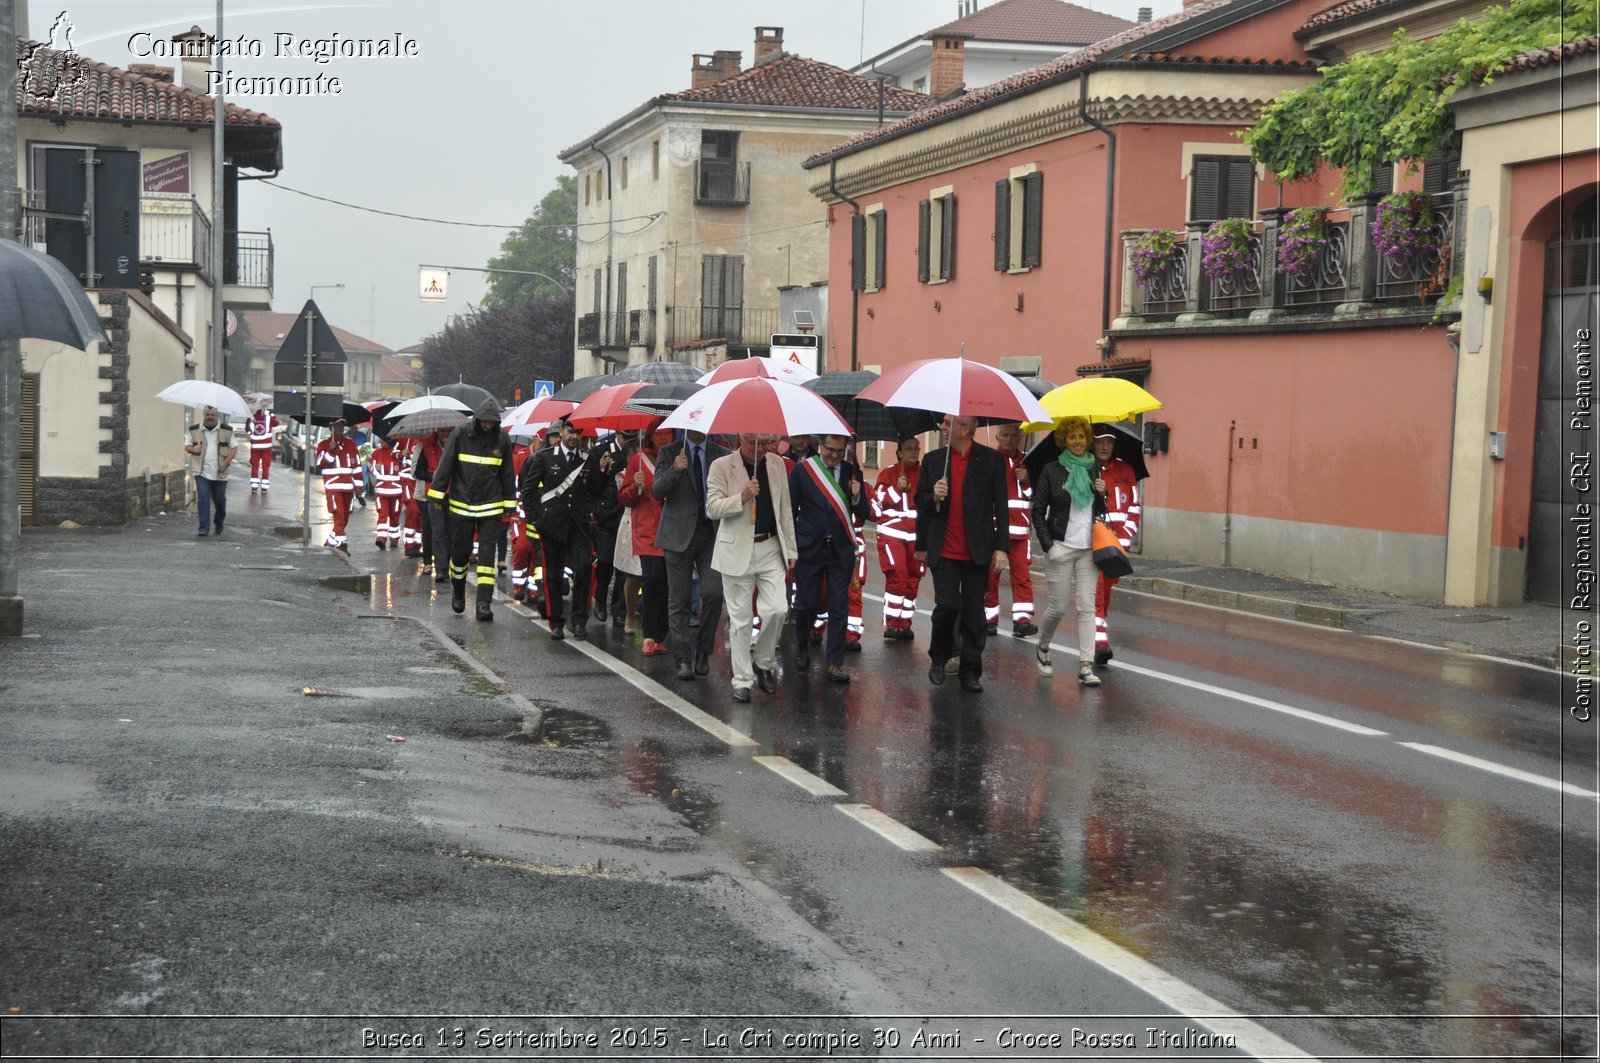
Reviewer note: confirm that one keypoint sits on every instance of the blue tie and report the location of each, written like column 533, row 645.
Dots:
column 700, row 478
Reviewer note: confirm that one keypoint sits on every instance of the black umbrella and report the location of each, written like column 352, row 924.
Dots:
column 1038, row 385
column 471, row 394
column 583, row 387
column 1129, row 447
column 40, row 300
column 661, row 398
column 872, row 420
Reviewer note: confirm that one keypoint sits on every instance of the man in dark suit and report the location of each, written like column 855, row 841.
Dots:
column 558, row 488
column 962, row 529
column 828, row 500
column 688, row 538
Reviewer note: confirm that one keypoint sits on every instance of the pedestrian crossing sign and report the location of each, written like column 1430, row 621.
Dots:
column 543, row 389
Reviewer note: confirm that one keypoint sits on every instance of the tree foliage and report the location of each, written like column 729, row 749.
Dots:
column 1390, row 106
column 504, row 349
column 546, row 243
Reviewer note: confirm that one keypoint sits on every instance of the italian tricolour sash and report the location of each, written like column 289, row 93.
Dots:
column 833, row 493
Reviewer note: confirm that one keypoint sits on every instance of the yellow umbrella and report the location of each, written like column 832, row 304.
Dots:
column 1099, row 398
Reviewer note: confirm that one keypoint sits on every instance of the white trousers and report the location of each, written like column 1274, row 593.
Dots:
column 762, row 580
column 1072, row 575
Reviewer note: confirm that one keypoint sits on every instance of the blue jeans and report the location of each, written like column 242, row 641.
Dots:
column 210, row 493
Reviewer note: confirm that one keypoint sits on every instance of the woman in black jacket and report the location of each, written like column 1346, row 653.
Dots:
column 1068, row 497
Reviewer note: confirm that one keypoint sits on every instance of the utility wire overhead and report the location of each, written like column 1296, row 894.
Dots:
column 446, row 221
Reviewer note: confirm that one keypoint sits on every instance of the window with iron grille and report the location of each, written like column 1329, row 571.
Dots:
column 936, row 237
column 722, row 297
column 1222, row 186
column 1019, row 220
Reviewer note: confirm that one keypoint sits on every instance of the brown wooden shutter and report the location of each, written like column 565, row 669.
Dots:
column 1382, row 178
column 1439, row 171
column 1032, row 218
column 710, row 297
column 1002, row 224
column 1207, row 179
column 28, row 450
column 881, row 237
column 858, row 253
column 1240, row 188
column 733, row 298
column 924, row 215
column 947, row 232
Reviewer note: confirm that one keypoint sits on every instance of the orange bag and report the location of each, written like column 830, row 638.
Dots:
column 1109, row 556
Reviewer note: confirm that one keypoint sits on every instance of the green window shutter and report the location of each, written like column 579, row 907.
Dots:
column 1240, row 187
column 858, row 253
column 1032, row 218
column 924, row 216
column 1204, row 202
column 881, row 236
column 947, row 258
column 1002, row 224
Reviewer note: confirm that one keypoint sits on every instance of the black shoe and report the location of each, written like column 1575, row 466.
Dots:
column 852, row 645
column 580, row 630
column 556, row 633
column 936, row 673
column 994, row 629
column 685, row 670
column 344, row 548
column 970, row 682
column 766, row 680
column 816, row 636
column 802, row 654
column 458, row 596
column 485, row 596
column 1102, row 656
column 1023, row 629
column 201, row 535
column 441, row 577
column 218, row 528
column 837, row 674
column 741, row 693
column 599, row 612
column 702, row 664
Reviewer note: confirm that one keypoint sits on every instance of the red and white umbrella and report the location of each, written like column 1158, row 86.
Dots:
column 758, row 405
column 959, row 387
column 604, row 409
column 535, row 415
column 748, row 368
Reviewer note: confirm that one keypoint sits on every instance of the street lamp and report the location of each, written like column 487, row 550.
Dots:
column 310, row 318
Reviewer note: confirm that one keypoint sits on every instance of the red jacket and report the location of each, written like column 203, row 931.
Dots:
column 646, row 507
column 1019, row 497
column 893, row 509
column 340, row 463
column 388, row 471
column 1122, row 500
column 261, row 427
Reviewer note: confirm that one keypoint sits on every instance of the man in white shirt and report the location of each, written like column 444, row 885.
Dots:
column 211, row 442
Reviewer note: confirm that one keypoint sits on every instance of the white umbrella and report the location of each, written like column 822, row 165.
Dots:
column 427, row 402
column 257, row 400
column 205, row 393
column 771, row 368
column 957, row 386
column 757, row 404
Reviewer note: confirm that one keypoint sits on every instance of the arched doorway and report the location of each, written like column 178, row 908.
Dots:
column 1566, row 376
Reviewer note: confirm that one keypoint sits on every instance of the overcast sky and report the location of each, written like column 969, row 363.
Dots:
column 469, row 129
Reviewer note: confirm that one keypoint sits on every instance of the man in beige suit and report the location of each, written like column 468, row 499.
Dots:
column 747, row 493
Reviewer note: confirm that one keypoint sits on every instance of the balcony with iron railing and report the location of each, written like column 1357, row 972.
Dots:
column 721, row 183
column 675, row 325
column 247, row 259
column 1347, row 277
column 174, row 232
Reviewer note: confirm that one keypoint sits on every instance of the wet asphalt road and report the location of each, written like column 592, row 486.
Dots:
column 1279, row 863
column 1358, row 895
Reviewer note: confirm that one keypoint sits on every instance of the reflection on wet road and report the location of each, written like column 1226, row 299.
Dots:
column 1282, row 867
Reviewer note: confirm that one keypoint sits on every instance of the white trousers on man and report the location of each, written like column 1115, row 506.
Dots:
column 762, row 580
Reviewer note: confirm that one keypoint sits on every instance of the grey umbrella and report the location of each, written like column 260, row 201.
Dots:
column 40, row 300
column 661, row 398
column 471, row 394
column 583, row 387
column 872, row 420
column 657, row 373
column 424, row 422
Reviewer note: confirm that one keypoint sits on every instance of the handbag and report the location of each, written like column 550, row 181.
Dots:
column 1109, row 556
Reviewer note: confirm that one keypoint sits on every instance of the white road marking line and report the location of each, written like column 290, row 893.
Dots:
column 811, row 784
column 645, row 685
column 1500, row 769
column 1250, row 699
column 1251, row 1037
column 1520, row 664
column 896, row 832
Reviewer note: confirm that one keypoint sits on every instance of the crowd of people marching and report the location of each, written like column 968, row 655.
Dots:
column 662, row 531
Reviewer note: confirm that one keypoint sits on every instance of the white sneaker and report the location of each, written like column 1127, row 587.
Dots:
column 1041, row 661
column 1086, row 676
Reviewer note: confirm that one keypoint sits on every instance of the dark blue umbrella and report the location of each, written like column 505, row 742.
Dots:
column 40, row 300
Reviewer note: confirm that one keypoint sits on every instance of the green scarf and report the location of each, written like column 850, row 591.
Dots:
column 1078, row 485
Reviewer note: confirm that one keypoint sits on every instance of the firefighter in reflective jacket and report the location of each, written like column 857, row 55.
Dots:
column 1019, row 502
column 476, row 473
column 263, row 429
column 340, row 465
column 388, row 488
column 894, row 508
column 1122, row 517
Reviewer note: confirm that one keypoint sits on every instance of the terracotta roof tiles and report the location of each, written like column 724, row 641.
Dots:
column 1340, row 12
column 1542, row 57
column 794, row 81
column 1035, row 21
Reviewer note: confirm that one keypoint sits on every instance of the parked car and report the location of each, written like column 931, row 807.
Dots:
column 292, row 443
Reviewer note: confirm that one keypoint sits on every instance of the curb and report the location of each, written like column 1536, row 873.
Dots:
column 1261, row 604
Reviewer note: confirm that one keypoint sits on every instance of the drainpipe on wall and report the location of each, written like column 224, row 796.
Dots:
column 855, row 294
column 611, row 229
column 1111, row 187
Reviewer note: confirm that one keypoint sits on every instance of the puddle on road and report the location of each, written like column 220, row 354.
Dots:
column 573, row 730
column 648, row 767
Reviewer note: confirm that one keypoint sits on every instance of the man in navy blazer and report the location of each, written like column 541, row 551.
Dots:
column 963, row 527
column 828, row 499
column 687, row 538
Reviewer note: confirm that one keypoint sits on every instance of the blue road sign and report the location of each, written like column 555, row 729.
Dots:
column 543, row 389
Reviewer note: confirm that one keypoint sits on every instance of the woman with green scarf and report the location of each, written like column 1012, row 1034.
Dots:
column 1067, row 498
